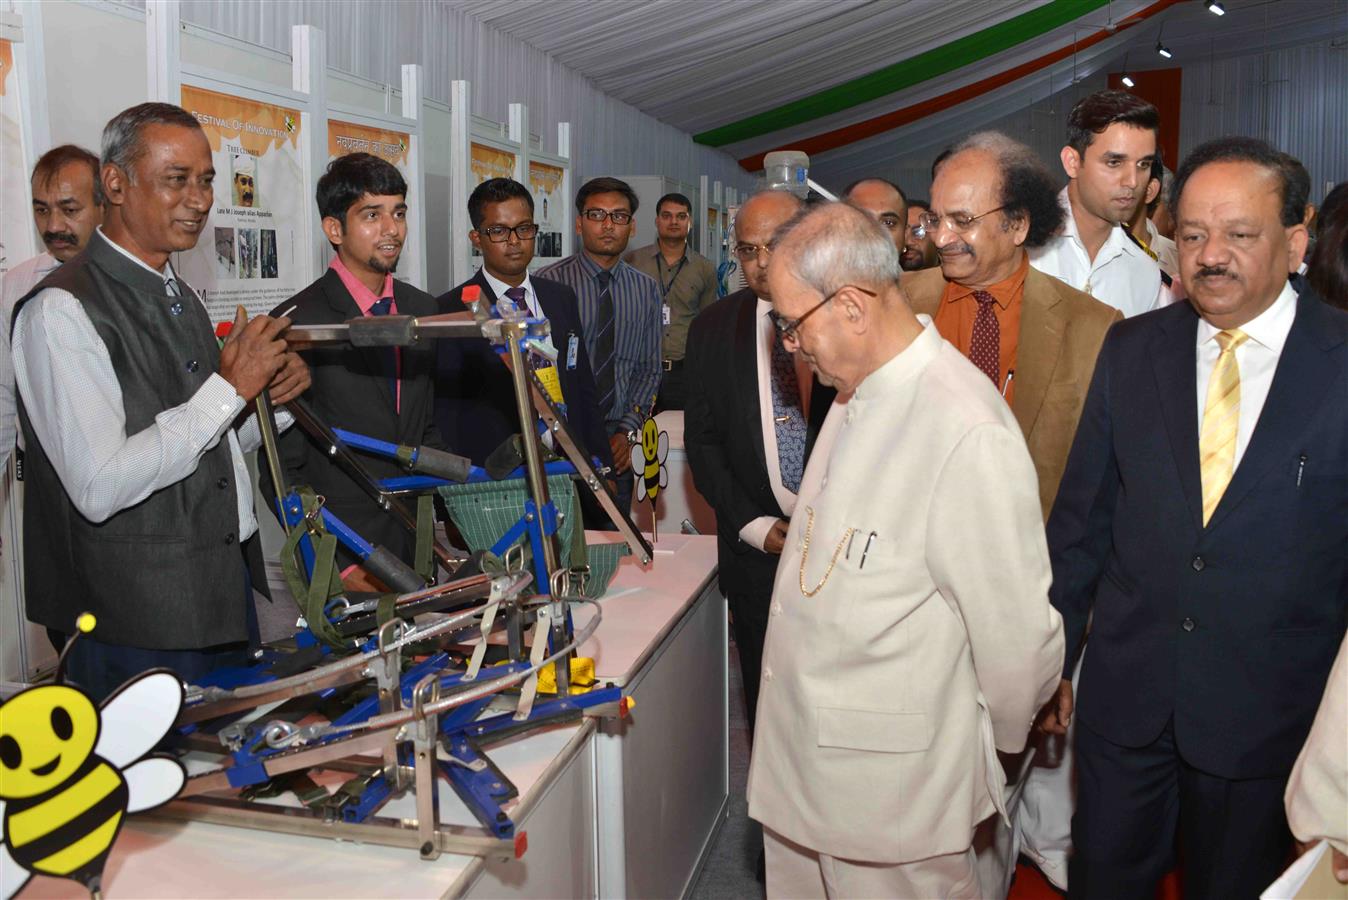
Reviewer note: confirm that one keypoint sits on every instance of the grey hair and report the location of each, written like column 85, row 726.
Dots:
column 838, row 245
column 122, row 144
column 1028, row 191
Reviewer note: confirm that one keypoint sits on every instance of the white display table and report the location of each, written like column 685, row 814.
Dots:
column 626, row 810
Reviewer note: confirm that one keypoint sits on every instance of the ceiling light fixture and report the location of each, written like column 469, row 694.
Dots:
column 1216, row 8
column 1128, row 80
column 1163, row 50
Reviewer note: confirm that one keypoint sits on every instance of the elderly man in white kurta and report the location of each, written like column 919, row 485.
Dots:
column 910, row 635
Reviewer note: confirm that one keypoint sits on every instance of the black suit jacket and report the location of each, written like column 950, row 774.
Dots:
column 351, row 391
column 723, row 435
column 1229, row 628
column 475, row 398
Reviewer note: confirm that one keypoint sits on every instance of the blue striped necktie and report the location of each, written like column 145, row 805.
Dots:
column 788, row 417
column 605, row 332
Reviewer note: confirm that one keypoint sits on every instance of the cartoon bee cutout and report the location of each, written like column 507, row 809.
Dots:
column 648, row 460
column 70, row 772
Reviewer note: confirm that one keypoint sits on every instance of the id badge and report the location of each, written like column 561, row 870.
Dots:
column 664, row 309
column 572, row 351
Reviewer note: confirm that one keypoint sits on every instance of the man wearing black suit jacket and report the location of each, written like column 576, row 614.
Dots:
column 475, row 398
column 384, row 393
column 1203, row 521
column 730, row 424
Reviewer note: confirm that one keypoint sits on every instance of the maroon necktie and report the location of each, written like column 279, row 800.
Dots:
column 985, row 350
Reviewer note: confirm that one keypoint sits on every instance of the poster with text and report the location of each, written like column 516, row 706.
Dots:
column 18, row 240
column 252, row 251
column 394, row 147
column 545, row 183
column 487, row 162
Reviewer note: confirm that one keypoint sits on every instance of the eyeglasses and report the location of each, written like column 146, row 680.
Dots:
column 956, row 222
column 787, row 328
column 746, row 252
column 918, row 231
column 499, row 234
column 619, row 216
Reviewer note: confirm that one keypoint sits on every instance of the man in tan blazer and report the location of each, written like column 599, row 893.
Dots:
column 910, row 635
column 1048, row 334
column 1033, row 336
column 1317, row 792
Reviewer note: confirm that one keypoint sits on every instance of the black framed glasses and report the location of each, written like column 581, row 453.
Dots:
column 787, row 329
column 499, row 234
column 956, row 222
column 619, row 216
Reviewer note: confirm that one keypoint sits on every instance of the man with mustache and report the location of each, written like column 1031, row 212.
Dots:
column 382, row 392
column 138, row 500
column 1033, row 336
column 1200, row 526
column 1111, row 147
column 918, row 250
column 67, row 207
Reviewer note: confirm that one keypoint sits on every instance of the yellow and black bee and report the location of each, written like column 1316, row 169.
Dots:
column 70, row 772
column 648, row 460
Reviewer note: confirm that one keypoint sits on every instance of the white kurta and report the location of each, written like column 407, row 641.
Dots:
column 931, row 642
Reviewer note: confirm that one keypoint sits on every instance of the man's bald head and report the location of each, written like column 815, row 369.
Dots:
column 835, row 290
column 755, row 223
column 884, row 200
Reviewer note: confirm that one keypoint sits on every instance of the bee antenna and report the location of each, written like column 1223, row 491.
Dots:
column 84, row 623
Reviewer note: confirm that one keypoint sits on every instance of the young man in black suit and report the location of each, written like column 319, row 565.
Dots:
column 1202, row 521
column 384, row 393
column 475, row 400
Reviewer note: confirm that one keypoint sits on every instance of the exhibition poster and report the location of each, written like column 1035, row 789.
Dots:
column 487, row 162
column 394, row 147
column 16, row 219
column 545, row 183
column 252, row 249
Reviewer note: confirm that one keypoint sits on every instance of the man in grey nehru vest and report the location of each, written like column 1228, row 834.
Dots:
column 137, row 494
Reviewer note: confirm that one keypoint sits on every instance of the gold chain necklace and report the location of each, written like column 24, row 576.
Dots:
column 805, row 555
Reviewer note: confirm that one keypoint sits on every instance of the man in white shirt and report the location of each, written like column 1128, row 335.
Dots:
column 67, row 207
column 910, row 633
column 1111, row 146
column 1200, row 527
column 138, row 497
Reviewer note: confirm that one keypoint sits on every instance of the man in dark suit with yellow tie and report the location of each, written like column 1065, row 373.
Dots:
column 1203, row 522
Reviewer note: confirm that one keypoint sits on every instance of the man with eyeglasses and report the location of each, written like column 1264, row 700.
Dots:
column 919, row 250
column 884, row 200
column 910, row 634
column 1111, row 148
column 474, row 394
column 687, row 282
column 1032, row 336
column 620, row 313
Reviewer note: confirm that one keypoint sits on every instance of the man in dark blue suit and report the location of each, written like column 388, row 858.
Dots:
column 1203, row 522
column 475, row 401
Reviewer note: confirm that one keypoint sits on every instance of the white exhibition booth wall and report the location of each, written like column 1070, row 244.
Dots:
column 274, row 121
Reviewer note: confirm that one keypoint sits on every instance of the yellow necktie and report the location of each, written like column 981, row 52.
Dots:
column 1221, row 416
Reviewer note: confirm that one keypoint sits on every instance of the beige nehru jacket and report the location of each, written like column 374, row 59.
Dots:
column 1317, row 793
column 931, row 642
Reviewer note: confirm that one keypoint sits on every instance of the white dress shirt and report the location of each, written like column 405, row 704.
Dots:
column 1257, row 360
column 499, row 287
column 1122, row 274
column 755, row 532
column 74, row 401
column 18, row 281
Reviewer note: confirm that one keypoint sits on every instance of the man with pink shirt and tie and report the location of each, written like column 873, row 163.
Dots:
column 384, row 393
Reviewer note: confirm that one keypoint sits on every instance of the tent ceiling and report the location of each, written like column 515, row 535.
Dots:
column 702, row 65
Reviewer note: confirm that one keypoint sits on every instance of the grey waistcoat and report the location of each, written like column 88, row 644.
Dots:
column 166, row 573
